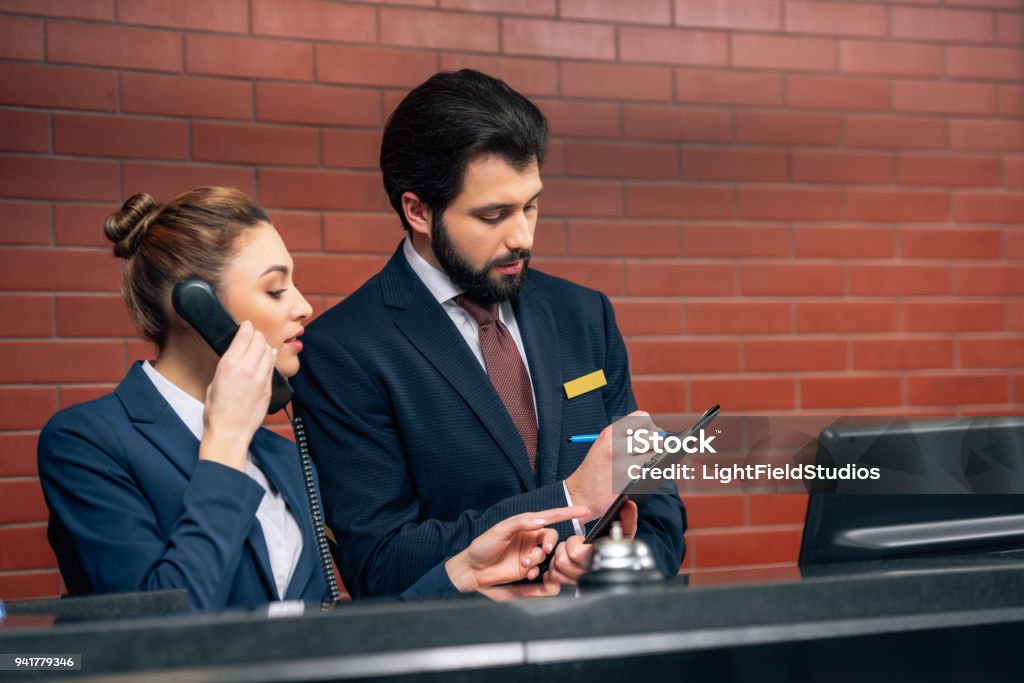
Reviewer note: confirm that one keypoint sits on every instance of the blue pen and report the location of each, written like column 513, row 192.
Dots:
column 591, row 438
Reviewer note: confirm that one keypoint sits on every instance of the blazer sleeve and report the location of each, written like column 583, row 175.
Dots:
column 433, row 585
column 383, row 545
column 110, row 526
column 662, row 519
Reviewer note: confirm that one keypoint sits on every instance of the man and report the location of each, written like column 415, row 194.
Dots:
column 438, row 397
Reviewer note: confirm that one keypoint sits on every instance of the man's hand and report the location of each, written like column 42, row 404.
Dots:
column 570, row 561
column 509, row 551
column 627, row 517
column 573, row 558
column 593, row 482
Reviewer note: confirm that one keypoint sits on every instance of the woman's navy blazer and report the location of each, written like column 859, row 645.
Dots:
column 132, row 508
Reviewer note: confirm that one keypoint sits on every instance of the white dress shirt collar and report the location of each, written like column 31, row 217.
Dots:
column 437, row 281
column 185, row 406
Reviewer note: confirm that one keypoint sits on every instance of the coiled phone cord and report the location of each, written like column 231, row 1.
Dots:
column 316, row 510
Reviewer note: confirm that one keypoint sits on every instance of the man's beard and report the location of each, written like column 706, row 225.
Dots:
column 477, row 284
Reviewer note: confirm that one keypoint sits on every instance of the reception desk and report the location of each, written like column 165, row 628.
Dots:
column 961, row 619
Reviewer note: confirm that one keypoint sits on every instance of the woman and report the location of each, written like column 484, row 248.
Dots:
column 170, row 481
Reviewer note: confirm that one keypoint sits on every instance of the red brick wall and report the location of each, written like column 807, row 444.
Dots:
column 793, row 204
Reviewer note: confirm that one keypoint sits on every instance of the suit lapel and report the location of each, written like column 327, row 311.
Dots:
column 257, row 545
column 279, row 460
column 540, row 339
column 427, row 327
column 157, row 421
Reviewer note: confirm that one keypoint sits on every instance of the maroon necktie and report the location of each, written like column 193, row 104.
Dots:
column 507, row 372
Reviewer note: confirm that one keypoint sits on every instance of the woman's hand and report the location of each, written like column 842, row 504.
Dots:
column 510, row 550
column 237, row 398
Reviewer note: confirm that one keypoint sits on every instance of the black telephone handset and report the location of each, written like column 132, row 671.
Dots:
column 197, row 303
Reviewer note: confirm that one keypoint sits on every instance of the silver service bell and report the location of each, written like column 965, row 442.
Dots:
column 619, row 564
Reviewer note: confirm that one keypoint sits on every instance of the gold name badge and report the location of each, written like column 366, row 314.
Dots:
column 582, row 385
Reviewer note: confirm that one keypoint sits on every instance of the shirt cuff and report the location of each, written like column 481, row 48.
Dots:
column 576, row 526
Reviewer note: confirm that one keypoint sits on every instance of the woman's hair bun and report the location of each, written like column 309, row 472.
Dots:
column 126, row 228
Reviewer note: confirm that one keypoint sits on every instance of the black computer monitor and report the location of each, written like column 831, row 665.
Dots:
column 948, row 486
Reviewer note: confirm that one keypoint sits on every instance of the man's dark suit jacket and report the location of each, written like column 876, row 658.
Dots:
column 416, row 452
column 132, row 508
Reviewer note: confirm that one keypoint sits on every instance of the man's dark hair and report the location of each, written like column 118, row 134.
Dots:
column 448, row 121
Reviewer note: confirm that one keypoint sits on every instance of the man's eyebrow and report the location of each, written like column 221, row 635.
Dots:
column 496, row 206
column 275, row 269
